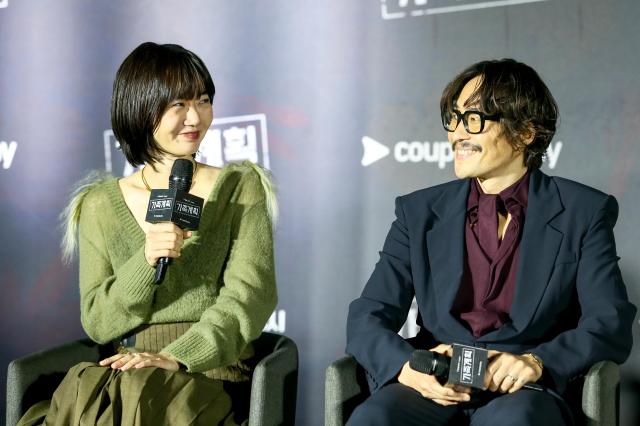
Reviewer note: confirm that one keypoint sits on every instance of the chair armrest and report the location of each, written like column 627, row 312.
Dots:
column 274, row 386
column 35, row 377
column 601, row 394
column 344, row 390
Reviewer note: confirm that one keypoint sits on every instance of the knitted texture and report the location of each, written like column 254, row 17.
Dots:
column 154, row 337
column 224, row 281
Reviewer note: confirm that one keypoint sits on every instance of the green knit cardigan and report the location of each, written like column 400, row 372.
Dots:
column 224, row 281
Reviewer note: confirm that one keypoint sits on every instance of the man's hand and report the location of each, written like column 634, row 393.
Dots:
column 508, row 372
column 141, row 360
column 428, row 386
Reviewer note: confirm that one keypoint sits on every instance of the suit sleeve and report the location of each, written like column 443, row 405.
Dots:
column 604, row 329
column 378, row 314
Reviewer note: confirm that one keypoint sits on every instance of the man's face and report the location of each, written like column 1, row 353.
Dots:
column 486, row 155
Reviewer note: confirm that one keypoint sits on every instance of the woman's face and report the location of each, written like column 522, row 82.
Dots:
column 183, row 126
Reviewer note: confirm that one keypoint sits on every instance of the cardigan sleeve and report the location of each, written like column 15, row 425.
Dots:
column 113, row 299
column 248, row 295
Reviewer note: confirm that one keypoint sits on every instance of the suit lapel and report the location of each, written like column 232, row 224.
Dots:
column 445, row 246
column 538, row 248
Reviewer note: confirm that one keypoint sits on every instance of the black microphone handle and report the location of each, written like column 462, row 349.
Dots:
column 432, row 363
column 533, row 386
column 180, row 179
column 161, row 269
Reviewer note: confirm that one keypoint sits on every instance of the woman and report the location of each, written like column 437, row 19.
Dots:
column 184, row 345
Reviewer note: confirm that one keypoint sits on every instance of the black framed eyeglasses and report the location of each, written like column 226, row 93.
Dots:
column 473, row 120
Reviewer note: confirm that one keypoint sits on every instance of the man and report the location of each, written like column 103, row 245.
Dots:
column 507, row 258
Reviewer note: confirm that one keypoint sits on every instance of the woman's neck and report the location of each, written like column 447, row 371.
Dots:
column 157, row 173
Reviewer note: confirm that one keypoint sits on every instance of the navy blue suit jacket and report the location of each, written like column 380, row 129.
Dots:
column 570, row 305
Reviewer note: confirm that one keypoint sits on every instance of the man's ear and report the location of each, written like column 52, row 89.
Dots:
column 528, row 135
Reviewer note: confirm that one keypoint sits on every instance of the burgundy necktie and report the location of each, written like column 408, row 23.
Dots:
column 487, row 225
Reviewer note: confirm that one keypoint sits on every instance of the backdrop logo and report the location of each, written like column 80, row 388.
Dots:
column 395, row 9
column 238, row 138
column 373, row 151
column 229, row 139
column 439, row 153
column 4, row 3
column 277, row 322
column 7, row 153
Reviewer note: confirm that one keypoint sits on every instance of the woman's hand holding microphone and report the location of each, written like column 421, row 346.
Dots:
column 164, row 239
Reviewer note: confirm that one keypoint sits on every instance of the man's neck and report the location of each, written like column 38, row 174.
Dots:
column 495, row 185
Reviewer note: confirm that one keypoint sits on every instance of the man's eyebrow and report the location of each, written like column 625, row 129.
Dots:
column 474, row 106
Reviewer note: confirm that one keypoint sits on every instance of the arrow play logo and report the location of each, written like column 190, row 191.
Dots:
column 373, row 151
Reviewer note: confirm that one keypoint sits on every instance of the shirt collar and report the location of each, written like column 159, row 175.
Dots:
column 516, row 193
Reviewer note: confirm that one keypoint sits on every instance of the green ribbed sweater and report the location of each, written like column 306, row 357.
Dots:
column 224, row 281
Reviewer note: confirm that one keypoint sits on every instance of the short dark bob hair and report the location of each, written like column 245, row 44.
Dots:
column 515, row 92
column 150, row 78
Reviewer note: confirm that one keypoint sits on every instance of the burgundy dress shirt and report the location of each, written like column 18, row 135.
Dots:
column 490, row 265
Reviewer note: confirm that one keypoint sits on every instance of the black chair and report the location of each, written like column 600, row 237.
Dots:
column 274, row 384
column 346, row 388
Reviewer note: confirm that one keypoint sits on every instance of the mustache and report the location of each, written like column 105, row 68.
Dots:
column 466, row 145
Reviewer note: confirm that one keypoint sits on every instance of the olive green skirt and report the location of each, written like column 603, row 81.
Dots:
column 94, row 395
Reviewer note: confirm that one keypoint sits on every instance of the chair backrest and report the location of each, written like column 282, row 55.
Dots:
column 273, row 389
column 35, row 377
column 595, row 400
column 601, row 394
column 345, row 388
column 275, row 381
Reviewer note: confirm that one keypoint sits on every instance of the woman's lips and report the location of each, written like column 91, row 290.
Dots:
column 191, row 135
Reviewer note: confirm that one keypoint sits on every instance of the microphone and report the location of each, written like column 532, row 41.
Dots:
column 181, row 175
column 432, row 363
column 175, row 205
column 469, row 365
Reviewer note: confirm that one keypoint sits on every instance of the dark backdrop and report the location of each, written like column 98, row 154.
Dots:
column 302, row 87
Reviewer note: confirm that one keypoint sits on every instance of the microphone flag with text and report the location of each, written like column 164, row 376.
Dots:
column 466, row 367
column 175, row 205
